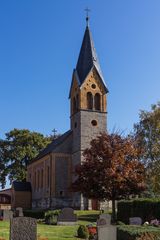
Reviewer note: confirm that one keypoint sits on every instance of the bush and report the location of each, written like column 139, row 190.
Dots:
column 83, row 232
column 147, row 209
column 137, row 233
column 120, row 223
column 38, row 214
column 51, row 217
column 147, row 236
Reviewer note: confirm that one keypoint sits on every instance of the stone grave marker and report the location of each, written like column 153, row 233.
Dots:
column 20, row 212
column 104, row 219
column 23, row 228
column 1, row 214
column 135, row 221
column 101, row 222
column 105, row 229
column 7, row 215
column 67, row 217
column 107, row 232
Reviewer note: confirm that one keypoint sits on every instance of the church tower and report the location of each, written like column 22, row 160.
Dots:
column 51, row 172
column 88, row 103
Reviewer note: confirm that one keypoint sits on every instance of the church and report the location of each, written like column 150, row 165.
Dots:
column 51, row 173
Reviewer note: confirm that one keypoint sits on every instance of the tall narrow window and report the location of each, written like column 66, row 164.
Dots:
column 38, row 180
column 74, row 105
column 48, row 176
column 97, row 102
column 77, row 102
column 35, row 181
column 89, row 100
column 42, row 178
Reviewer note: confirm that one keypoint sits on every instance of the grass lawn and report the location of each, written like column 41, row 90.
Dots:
column 56, row 232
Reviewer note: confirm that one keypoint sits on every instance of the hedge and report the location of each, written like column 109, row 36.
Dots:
column 137, row 232
column 147, row 209
column 38, row 214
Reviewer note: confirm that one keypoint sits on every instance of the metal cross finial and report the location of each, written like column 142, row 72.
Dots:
column 54, row 132
column 87, row 15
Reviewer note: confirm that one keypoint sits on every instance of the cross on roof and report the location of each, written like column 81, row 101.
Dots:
column 87, row 10
column 54, row 132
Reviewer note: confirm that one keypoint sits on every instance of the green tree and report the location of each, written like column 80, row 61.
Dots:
column 110, row 170
column 3, row 162
column 147, row 133
column 17, row 150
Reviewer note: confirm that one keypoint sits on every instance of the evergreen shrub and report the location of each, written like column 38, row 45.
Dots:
column 51, row 217
column 83, row 232
column 38, row 214
column 138, row 233
column 147, row 209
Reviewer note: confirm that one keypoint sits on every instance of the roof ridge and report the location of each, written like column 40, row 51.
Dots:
column 54, row 143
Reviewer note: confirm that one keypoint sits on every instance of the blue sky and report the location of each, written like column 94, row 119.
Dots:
column 39, row 46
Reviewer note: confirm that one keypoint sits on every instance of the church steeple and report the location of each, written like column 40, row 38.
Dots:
column 88, row 89
column 88, row 98
column 88, row 59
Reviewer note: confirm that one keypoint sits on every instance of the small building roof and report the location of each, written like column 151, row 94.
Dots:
column 6, row 191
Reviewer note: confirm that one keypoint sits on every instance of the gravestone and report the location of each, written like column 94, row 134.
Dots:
column 7, row 215
column 104, row 219
column 101, row 222
column 67, row 217
column 135, row 221
column 23, row 228
column 105, row 229
column 1, row 214
column 19, row 212
column 107, row 232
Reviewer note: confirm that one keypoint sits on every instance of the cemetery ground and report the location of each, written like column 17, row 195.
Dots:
column 53, row 232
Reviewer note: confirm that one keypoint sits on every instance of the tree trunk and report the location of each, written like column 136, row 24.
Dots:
column 113, row 211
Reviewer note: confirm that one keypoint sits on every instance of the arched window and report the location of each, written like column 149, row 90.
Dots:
column 42, row 178
column 74, row 105
column 38, row 180
column 77, row 102
column 97, row 101
column 48, row 177
column 35, row 180
column 89, row 100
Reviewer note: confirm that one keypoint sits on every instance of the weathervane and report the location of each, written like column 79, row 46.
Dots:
column 87, row 15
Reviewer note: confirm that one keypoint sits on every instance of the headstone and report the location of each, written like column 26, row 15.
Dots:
column 107, row 232
column 135, row 221
column 104, row 219
column 7, row 215
column 1, row 214
column 101, row 222
column 23, row 228
column 105, row 229
column 67, row 217
column 20, row 212
column 15, row 213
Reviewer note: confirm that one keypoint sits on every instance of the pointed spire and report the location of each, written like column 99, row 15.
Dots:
column 87, row 15
column 88, row 57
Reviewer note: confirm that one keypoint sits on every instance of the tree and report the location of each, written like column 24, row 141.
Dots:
column 147, row 133
column 3, row 169
column 17, row 150
column 111, row 170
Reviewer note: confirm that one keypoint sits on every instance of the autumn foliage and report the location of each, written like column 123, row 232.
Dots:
column 111, row 169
